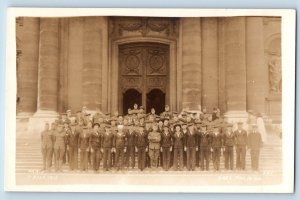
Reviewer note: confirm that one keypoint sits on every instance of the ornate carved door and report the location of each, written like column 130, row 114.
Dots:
column 144, row 67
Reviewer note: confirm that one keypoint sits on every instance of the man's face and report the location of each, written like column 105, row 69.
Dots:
column 155, row 127
column 240, row 126
column 177, row 128
column 135, row 106
column 46, row 126
column 160, row 123
column 152, row 111
column 89, row 125
column 73, row 128
column 167, row 108
column 96, row 127
column 191, row 128
column 166, row 122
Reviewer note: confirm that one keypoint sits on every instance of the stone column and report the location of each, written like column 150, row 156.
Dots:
column 191, row 63
column 27, row 69
column 92, row 62
column 257, row 72
column 210, row 71
column 235, row 63
column 48, row 73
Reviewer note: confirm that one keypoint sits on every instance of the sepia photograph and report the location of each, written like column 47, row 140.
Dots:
column 150, row 100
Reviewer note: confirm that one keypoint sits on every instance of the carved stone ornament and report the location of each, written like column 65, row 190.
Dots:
column 143, row 25
column 275, row 74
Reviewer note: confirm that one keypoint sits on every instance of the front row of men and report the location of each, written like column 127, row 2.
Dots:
column 120, row 147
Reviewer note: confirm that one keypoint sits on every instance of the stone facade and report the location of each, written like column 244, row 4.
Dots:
column 233, row 63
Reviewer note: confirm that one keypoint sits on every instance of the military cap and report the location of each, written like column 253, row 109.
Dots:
column 68, row 111
column 158, row 119
column 177, row 124
column 107, row 126
column 79, row 111
column 166, row 127
column 96, row 124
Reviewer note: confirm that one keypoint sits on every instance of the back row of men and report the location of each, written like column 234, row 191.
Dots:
column 172, row 141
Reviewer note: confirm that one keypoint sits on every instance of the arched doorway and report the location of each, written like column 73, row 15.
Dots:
column 130, row 97
column 156, row 100
column 144, row 67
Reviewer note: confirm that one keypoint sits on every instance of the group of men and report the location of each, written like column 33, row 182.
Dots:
column 171, row 141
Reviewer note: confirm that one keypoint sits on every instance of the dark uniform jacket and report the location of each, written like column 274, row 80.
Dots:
column 154, row 138
column 130, row 138
column 95, row 140
column 191, row 139
column 254, row 140
column 229, row 139
column 216, row 140
column 204, row 139
column 166, row 140
column 178, row 140
column 83, row 139
column 107, row 140
column 240, row 138
column 120, row 140
column 141, row 140
column 72, row 138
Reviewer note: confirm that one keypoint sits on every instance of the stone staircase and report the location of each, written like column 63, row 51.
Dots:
column 29, row 156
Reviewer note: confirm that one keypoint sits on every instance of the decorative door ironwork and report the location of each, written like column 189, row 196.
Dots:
column 143, row 67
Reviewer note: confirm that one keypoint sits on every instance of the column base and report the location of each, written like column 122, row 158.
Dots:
column 37, row 121
column 24, row 115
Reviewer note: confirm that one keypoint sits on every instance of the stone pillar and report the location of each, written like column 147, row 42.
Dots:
column 191, row 63
column 27, row 69
column 48, row 73
column 210, row 71
column 257, row 72
column 92, row 62
column 235, row 63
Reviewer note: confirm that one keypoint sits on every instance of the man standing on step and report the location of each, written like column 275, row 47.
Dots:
column 240, row 146
column 47, row 145
column 154, row 138
column 229, row 144
column 254, row 144
column 59, row 146
column 72, row 145
column 107, row 147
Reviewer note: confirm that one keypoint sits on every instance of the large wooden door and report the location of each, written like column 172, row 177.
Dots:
column 144, row 67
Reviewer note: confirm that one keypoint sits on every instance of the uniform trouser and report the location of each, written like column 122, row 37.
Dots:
column 66, row 155
column 191, row 158
column 216, row 157
column 229, row 157
column 130, row 156
column 96, row 157
column 106, row 158
column 113, row 155
column 184, row 157
column 204, row 156
column 73, row 158
column 58, row 157
column 84, row 159
column 178, row 159
column 141, row 158
column 166, row 156
column 47, row 158
column 197, row 158
column 254, row 158
column 240, row 157
column 119, row 159
column 154, row 155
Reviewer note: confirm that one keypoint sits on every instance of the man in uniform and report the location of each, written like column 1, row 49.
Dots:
column 141, row 145
column 120, row 147
column 204, row 147
column 72, row 146
column 178, row 145
column 254, row 144
column 154, row 139
column 59, row 146
column 191, row 146
column 166, row 148
column 228, row 144
column 95, row 147
column 47, row 146
column 216, row 147
column 83, row 142
column 166, row 114
column 240, row 146
column 130, row 146
column 107, row 147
